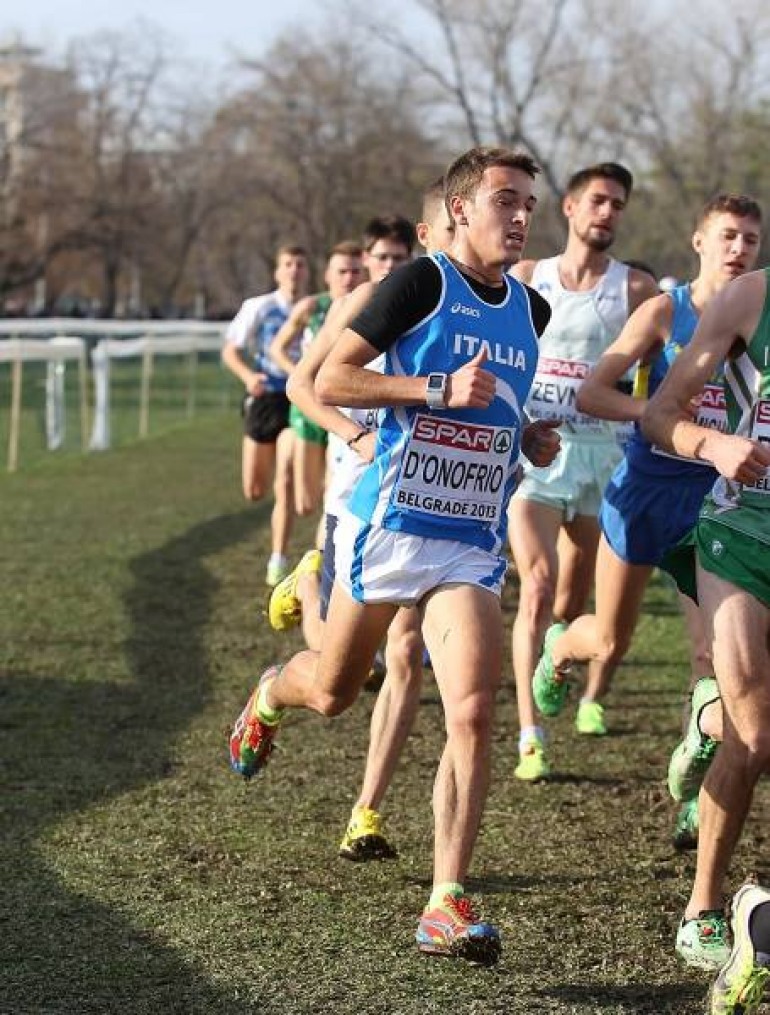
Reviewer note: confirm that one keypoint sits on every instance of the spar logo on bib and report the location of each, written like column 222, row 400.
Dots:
column 454, row 469
column 453, row 434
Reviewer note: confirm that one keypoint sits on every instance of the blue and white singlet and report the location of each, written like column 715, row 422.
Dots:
column 449, row 473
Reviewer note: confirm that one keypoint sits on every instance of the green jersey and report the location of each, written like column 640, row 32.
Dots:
column 747, row 397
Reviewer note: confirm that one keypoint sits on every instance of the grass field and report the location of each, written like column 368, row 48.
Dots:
column 139, row 876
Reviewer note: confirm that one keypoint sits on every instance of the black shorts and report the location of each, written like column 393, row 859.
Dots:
column 264, row 416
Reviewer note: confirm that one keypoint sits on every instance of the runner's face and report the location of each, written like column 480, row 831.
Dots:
column 728, row 245
column 498, row 217
column 383, row 257
column 594, row 213
column 343, row 274
column 291, row 274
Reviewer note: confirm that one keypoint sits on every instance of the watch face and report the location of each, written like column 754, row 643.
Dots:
column 436, row 382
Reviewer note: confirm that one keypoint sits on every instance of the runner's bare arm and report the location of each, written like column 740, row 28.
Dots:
column 729, row 319
column 252, row 380
column 344, row 380
column 301, row 384
column 641, row 286
column 639, row 342
column 289, row 332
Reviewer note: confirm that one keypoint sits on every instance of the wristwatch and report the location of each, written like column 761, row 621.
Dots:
column 435, row 391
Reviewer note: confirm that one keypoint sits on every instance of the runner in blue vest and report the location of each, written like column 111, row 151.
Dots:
column 653, row 498
column 427, row 523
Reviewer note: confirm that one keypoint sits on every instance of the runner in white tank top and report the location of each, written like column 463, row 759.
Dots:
column 591, row 296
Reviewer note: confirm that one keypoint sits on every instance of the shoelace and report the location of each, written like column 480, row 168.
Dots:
column 706, row 749
column 254, row 735
column 464, row 909
column 711, row 931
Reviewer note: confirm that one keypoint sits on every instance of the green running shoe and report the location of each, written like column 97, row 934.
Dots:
column 702, row 941
column 590, row 719
column 691, row 759
column 549, row 686
column 739, row 987
column 686, row 828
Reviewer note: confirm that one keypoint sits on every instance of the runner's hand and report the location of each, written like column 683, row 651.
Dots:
column 471, row 387
column 364, row 447
column 540, row 442
column 257, row 384
column 741, row 459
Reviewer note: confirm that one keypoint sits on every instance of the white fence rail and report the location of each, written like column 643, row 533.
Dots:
column 42, row 341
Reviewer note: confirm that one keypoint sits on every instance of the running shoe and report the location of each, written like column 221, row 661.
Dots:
column 376, row 676
column 741, row 982
column 691, row 759
column 549, row 686
column 276, row 571
column 686, row 827
column 702, row 941
column 251, row 739
column 454, row 930
column 590, row 719
column 284, row 609
column 364, row 840
column 532, row 766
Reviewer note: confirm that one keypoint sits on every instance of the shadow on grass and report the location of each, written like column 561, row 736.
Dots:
column 69, row 745
column 635, row 999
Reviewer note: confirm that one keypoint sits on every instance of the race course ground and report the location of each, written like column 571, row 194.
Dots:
column 141, row 877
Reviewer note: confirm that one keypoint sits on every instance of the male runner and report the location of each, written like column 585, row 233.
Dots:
column 267, row 439
column 653, row 498
column 388, row 242
column 732, row 549
column 591, row 296
column 344, row 271
column 427, row 520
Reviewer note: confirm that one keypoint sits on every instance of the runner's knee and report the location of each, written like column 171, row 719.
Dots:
column 471, row 719
column 538, row 592
column 612, row 648
column 403, row 655
column 332, row 703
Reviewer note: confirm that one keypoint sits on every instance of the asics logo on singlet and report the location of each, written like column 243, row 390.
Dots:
column 458, row 308
column 497, row 352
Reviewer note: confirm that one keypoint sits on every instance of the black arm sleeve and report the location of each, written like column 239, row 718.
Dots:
column 401, row 301
column 541, row 310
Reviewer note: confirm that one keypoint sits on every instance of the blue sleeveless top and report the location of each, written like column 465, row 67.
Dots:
column 639, row 453
column 449, row 473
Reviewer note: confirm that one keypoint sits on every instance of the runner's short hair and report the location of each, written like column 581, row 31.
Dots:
column 346, row 248
column 390, row 227
column 463, row 176
column 432, row 199
column 578, row 182
column 290, row 250
column 733, row 204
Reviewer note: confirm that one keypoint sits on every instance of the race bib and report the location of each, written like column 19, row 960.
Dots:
column 760, row 431
column 712, row 413
column 455, row 470
column 712, row 408
column 554, row 394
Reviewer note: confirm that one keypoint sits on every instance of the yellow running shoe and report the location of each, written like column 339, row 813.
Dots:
column 364, row 839
column 284, row 609
column 532, row 766
column 590, row 719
